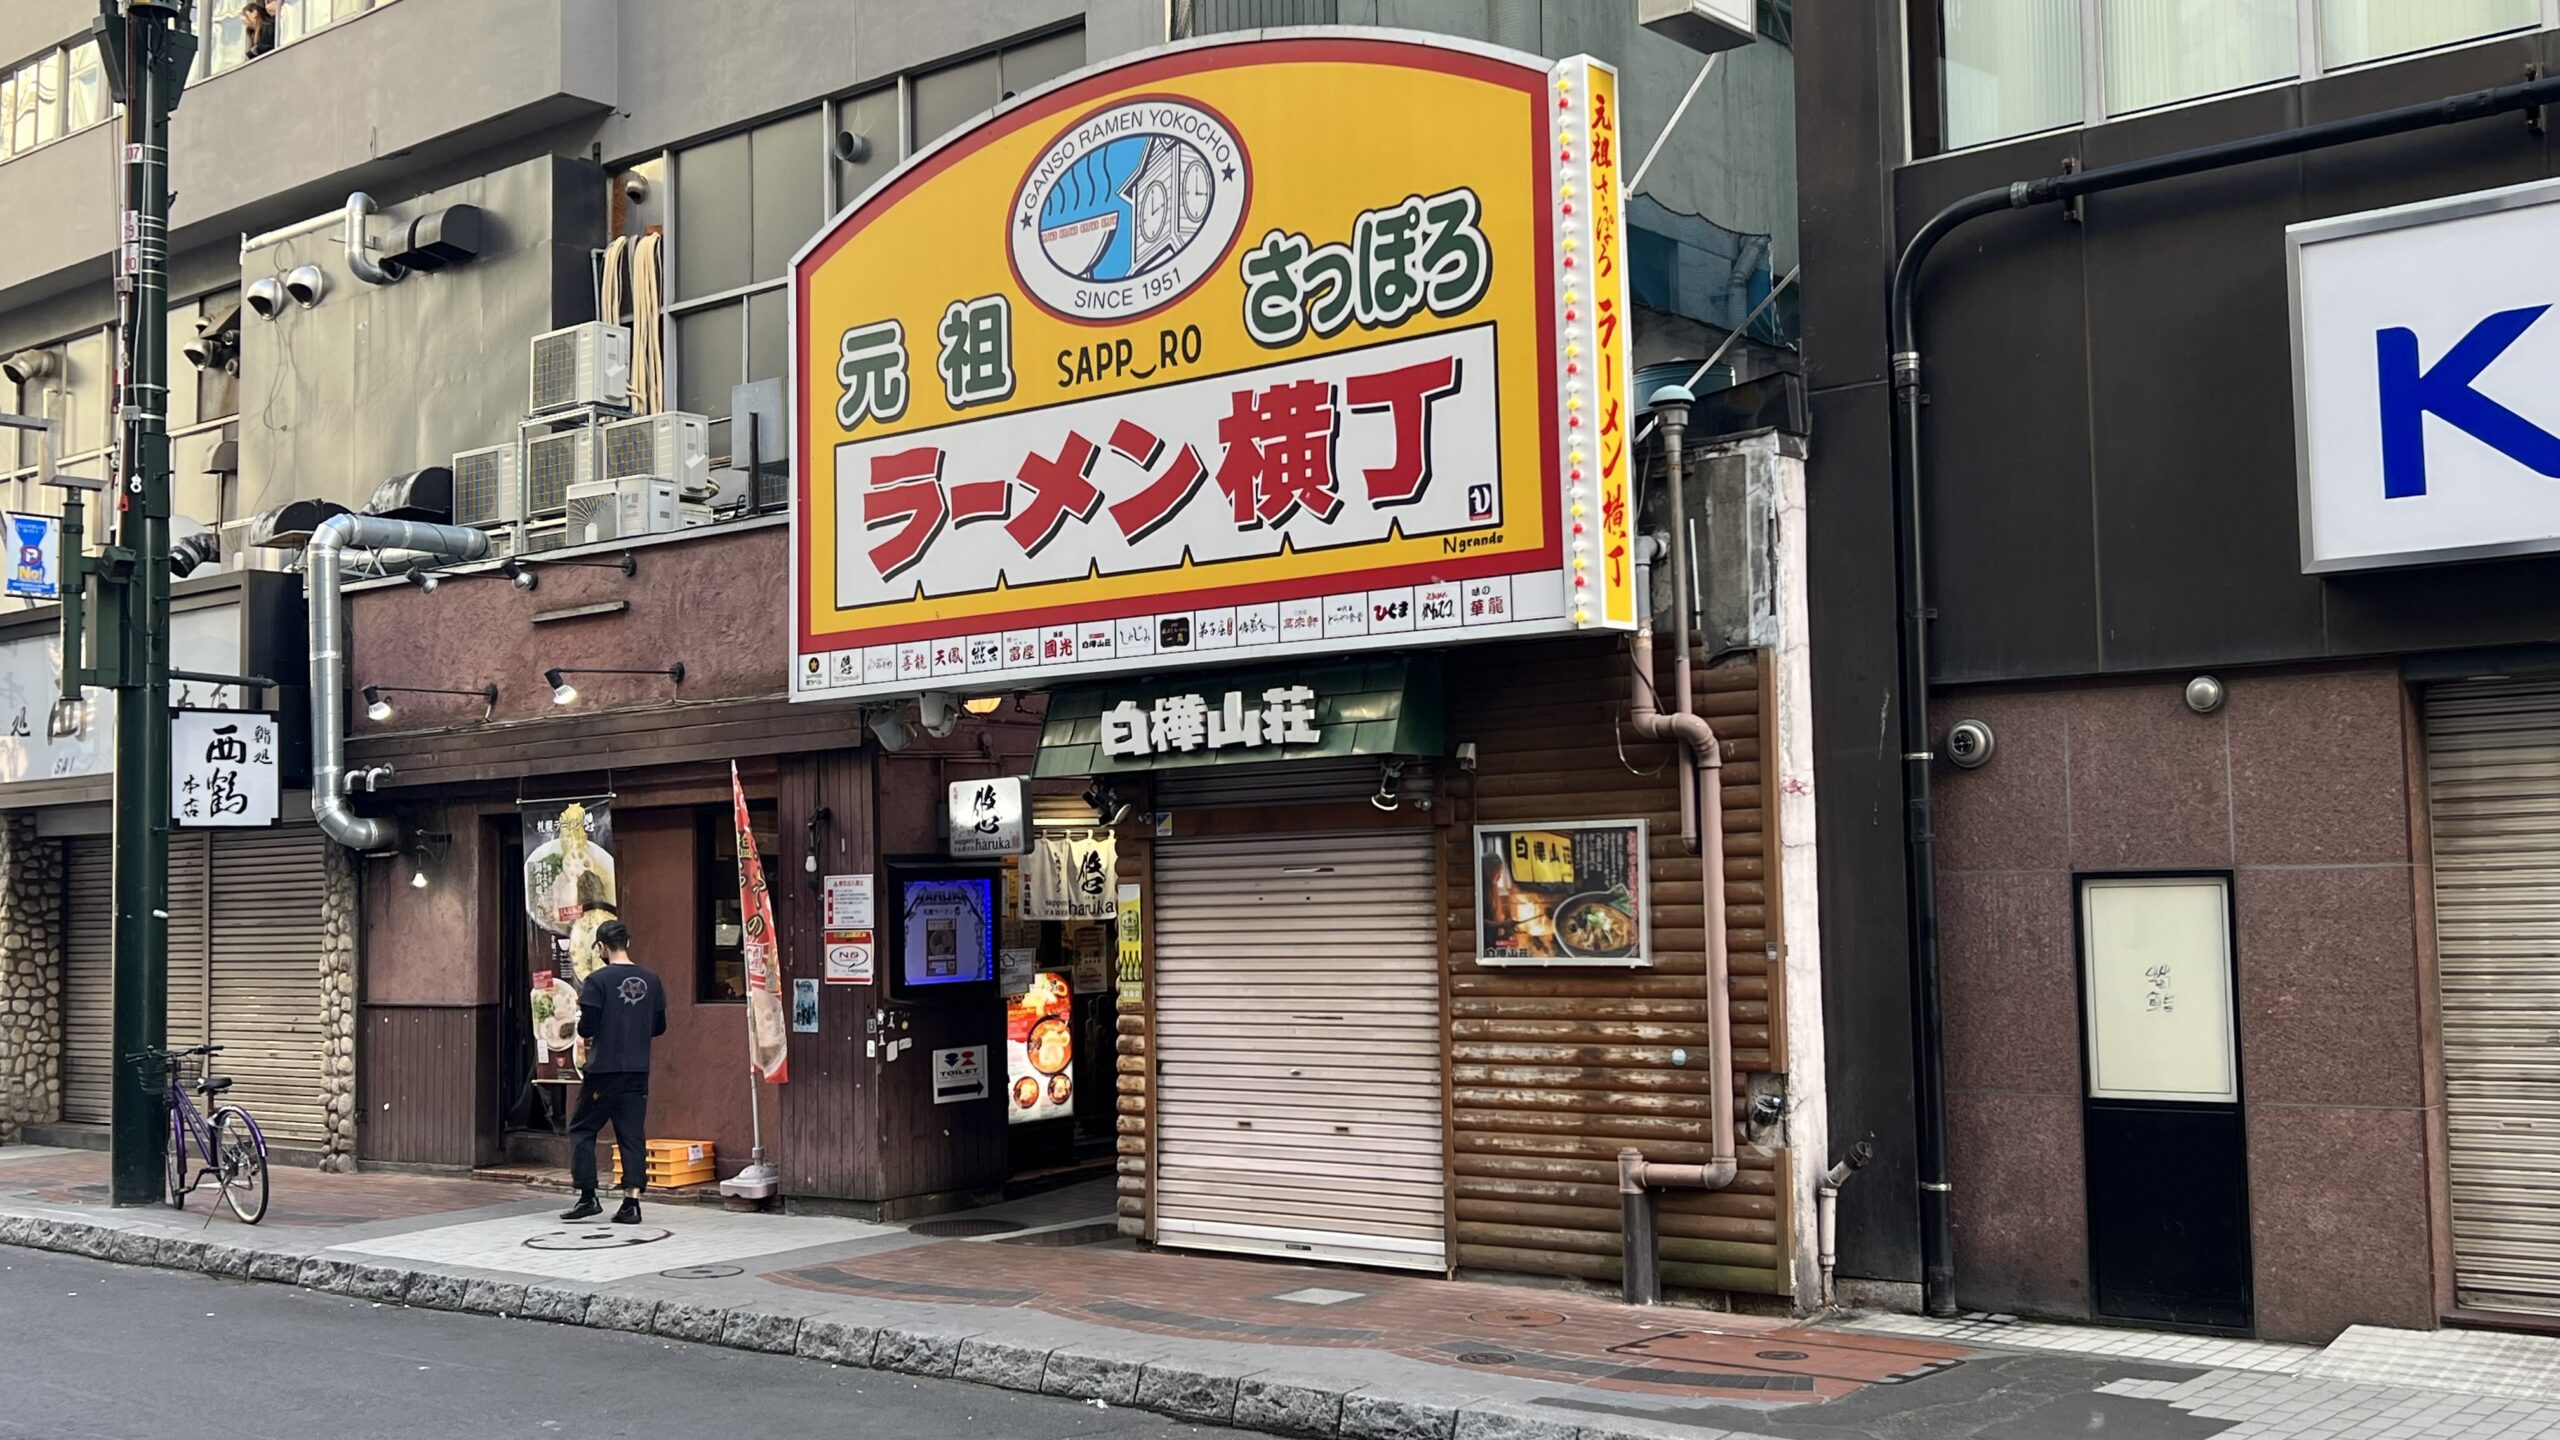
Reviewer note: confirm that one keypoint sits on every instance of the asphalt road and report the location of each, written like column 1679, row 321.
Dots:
column 90, row 1351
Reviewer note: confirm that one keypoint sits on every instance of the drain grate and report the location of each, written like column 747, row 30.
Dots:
column 701, row 1272
column 1486, row 1357
column 964, row 1228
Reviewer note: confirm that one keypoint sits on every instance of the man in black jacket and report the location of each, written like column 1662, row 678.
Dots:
column 621, row 1008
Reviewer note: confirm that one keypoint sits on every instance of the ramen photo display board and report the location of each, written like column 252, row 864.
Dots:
column 1223, row 353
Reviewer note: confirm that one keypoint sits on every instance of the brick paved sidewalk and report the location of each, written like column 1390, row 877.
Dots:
column 1042, row 1295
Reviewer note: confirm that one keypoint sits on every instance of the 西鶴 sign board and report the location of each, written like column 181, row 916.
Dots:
column 1224, row 353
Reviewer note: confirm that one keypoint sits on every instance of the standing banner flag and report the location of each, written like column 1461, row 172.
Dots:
column 768, row 1028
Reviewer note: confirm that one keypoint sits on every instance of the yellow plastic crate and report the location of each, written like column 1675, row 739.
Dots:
column 679, row 1152
column 674, row 1177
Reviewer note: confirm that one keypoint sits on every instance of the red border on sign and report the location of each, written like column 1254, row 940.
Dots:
column 1401, row 54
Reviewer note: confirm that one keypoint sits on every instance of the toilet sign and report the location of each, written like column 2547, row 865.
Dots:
column 959, row 1074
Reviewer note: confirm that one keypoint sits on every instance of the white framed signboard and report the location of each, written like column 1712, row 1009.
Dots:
column 224, row 769
column 2155, row 957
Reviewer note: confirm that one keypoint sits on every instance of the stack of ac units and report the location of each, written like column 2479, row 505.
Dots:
column 580, row 470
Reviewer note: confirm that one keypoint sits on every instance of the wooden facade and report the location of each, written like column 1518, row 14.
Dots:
column 1550, row 1072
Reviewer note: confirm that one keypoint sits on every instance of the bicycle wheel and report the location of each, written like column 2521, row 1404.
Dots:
column 175, row 1165
column 240, row 1161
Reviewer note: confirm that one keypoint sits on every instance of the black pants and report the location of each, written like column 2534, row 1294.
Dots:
column 621, row 1100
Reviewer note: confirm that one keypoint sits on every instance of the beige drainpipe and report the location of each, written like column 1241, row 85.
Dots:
column 1704, row 836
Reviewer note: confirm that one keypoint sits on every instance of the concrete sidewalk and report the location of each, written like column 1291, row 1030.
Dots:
column 1042, row 1296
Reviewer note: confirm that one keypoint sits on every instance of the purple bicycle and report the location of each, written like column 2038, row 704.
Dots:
column 234, row 1149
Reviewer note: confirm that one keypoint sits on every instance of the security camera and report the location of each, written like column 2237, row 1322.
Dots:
column 939, row 712
column 306, row 284
column 891, row 731
column 264, row 297
column 216, row 344
column 1969, row 744
column 28, row 365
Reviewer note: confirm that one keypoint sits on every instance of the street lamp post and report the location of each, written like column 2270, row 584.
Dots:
column 146, row 48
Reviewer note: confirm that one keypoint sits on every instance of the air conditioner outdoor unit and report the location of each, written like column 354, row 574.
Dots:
column 773, row 487
column 550, row 535
column 673, row 447
column 634, row 505
column 583, row 365
column 690, row 513
column 485, row 492
column 553, row 462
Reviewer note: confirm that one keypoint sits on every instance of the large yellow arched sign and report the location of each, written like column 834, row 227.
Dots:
column 1237, row 351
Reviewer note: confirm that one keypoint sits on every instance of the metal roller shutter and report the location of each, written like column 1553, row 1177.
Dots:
column 1299, row 1047
column 2493, row 791
column 88, row 967
column 265, row 951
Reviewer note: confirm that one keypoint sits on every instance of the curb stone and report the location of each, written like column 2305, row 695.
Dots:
column 492, row 1297
column 754, row 1330
column 1371, row 1416
column 1191, row 1390
column 919, row 1350
column 556, row 1303
column 1281, row 1407
column 634, row 1313
column 833, row 1341
column 1001, row 1363
column 1079, row 1373
column 678, row 1321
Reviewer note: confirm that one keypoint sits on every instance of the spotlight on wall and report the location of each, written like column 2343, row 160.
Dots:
column 1390, row 780
column 938, row 712
column 1107, row 805
column 892, row 730
column 562, row 692
column 264, row 296
column 376, row 708
column 819, row 821
column 2205, row 694
column 216, row 344
column 29, row 365
column 306, row 284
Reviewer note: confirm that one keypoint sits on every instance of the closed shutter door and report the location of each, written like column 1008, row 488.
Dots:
column 88, row 981
column 1298, row 1048
column 89, row 969
column 267, row 1005
column 2493, row 790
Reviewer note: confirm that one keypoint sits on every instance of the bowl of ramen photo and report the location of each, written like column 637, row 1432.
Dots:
column 1026, row 1092
column 1596, row 927
column 1050, row 1046
column 1061, row 1085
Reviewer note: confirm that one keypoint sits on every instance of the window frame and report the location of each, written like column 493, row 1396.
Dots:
column 1926, row 61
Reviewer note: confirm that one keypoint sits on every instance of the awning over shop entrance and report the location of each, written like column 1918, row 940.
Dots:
column 1337, row 710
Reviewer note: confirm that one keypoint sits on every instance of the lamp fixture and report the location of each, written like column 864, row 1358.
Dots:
column 514, row 570
column 819, row 819
column 421, row 853
column 982, row 704
column 1107, row 805
column 625, row 563
column 564, row 693
column 378, row 709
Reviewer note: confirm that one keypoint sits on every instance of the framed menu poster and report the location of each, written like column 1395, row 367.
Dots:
column 1566, row 892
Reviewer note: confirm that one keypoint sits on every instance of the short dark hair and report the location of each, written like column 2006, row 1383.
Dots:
column 614, row 935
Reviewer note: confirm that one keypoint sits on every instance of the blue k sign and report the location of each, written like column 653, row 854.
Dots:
column 2408, row 395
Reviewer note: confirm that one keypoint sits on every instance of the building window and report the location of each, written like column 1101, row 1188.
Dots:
column 722, row 973
column 2007, row 68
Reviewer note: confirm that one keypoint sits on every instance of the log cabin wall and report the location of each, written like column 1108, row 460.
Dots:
column 1553, row 1071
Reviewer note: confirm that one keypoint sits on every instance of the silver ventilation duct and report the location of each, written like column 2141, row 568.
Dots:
column 322, row 567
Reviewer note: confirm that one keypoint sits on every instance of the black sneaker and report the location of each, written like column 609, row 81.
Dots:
column 629, row 1214
column 585, row 1209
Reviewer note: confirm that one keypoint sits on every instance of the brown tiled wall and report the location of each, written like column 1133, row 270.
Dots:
column 2300, row 787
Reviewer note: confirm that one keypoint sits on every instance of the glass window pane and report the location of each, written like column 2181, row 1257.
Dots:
column 2357, row 30
column 769, row 335
column 1036, row 63
column 84, row 94
column 712, row 230
column 2012, row 67
column 710, row 350
column 2159, row 52
column 951, row 97
column 43, row 80
column 226, row 43
column 873, row 120
column 8, row 114
column 789, row 160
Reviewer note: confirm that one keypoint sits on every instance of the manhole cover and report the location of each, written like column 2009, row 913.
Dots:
column 1781, row 1355
column 702, row 1272
column 1485, row 1357
column 964, row 1229
column 596, row 1237
column 1517, row 1319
